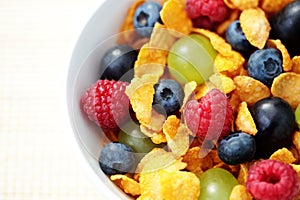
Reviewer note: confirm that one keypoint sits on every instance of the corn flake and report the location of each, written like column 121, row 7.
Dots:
column 244, row 120
column 287, row 86
column 229, row 65
column 283, row 155
column 127, row 32
column 179, row 185
column 222, row 82
column 296, row 140
column 138, row 92
column 127, row 184
column 218, row 43
column 286, row 59
column 150, row 60
column 250, row 90
column 243, row 173
column 239, row 192
column 161, row 38
column 175, row 18
column 241, row 5
column 195, row 163
column 296, row 64
column 189, row 90
column 256, row 27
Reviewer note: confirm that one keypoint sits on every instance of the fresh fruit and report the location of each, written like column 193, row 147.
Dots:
column 116, row 158
column 264, row 65
column 272, row 180
column 210, row 117
column 216, row 183
column 146, row 15
column 191, row 58
column 168, row 96
column 286, row 27
column 132, row 136
column 106, row 103
column 237, row 148
column 118, row 63
column 236, row 37
column 297, row 115
column 275, row 122
column 206, row 13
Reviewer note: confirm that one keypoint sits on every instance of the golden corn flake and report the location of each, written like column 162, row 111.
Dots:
column 127, row 184
column 239, row 192
column 139, row 91
column 139, row 43
column 202, row 89
column 256, row 27
column 296, row 140
column 175, row 18
column 250, row 90
column 241, row 5
column 243, row 173
column 244, row 120
column 127, row 32
column 273, row 6
column 234, row 101
column 179, row 185
column 296, row 64
column 161, row 38
column 283, row 155
column 189, row 90
column 286, row 59
column 216, row 41
column 287, row 86
column 177, row 136
column 150, row 186
column 222, row 82
column 229, row 65
column 195, row 163
column 295, row 153
column 158, row 159
column 150, row 60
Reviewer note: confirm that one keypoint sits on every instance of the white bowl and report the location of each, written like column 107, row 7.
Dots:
column 97, row 36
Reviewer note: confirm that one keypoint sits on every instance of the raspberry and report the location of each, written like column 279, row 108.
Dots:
column 272, row 180
column 106, row 103
column 206, row 13
column 210, row 117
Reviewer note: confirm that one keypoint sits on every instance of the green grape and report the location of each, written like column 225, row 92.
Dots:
column 216, row 183
column 133, row 137
column 297, row 115
column 191, row 58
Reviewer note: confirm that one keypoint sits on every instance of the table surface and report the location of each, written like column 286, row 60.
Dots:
column 37, row 152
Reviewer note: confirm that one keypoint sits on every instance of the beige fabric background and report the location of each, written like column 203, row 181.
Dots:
column 37, row 157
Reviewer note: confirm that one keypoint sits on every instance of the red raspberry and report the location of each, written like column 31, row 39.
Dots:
column 210, row 117
column 272, row 180
column 106, row 103
column 206, row 13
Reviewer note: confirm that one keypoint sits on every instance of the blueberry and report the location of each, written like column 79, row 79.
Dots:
column 237, row 148
column 168, row 96
column 118, row 63
column 285, row 25
column 236, row 37
column 275, row 121
column 146, row 15
column 264, row 65
column 116, row 158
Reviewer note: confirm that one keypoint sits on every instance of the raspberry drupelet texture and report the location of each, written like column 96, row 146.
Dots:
column 106, row 103
column 272, row 180
column 210, row 117
column 206, row 13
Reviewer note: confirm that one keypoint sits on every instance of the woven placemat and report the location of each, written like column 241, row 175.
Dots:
column 36, row 156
